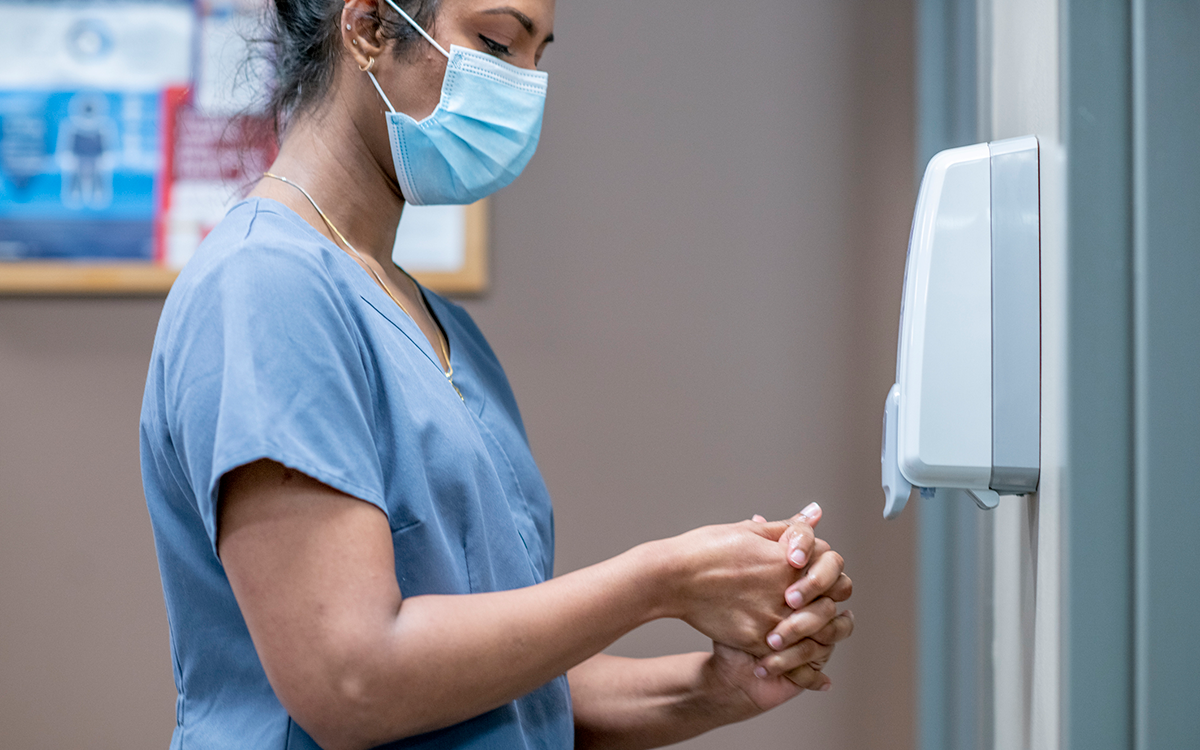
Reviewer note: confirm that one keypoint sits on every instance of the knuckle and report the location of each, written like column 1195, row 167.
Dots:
column 827, row 573
column 753, row 636
column 796, row 625
column 812, row 650
column 824, row 612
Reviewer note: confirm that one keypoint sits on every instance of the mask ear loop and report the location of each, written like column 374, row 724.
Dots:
column 417, row 26
column 379, row 88
column 423, row 33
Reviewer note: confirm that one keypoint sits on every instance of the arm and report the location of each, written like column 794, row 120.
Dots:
column 631, row 704
column 314, row 575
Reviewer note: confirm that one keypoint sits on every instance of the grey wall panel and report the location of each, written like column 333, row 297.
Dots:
column 1098, row 484
column 947, row 79
column 1167, row 371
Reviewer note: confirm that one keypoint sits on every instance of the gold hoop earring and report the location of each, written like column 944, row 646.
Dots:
column 367, row 68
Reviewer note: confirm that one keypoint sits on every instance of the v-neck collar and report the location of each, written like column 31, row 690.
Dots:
column 406, row 325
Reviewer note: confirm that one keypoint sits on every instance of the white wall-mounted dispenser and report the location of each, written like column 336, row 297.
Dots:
column 965, row 412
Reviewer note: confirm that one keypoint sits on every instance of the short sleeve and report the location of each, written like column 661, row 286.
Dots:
column 264, row 360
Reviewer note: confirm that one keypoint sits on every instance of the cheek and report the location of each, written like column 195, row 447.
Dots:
column 421, row 87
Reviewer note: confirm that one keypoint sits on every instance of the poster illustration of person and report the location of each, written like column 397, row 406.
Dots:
column 87, row 140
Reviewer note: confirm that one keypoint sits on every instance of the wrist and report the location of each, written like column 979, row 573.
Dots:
column 718, row 698
column 666, row 569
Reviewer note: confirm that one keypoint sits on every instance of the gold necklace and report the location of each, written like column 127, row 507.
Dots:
column 449, row 371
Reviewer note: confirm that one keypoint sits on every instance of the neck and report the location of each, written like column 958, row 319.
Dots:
column 327, row 155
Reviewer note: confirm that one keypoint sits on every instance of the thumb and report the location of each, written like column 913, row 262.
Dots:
column 770, row 529
column 811, row 515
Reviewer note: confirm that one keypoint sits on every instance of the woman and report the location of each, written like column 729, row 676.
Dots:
column 356, row 546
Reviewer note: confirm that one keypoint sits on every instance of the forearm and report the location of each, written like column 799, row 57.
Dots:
column 469, row 654
column 631, row 704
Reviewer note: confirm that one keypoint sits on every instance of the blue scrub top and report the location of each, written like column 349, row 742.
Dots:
column 274, row 343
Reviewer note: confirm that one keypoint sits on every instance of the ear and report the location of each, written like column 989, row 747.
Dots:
column 362, row 36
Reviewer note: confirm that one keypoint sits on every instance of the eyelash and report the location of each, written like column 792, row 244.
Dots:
column 496, row 48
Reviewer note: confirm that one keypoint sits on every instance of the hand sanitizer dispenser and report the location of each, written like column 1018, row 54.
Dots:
column 965, row 412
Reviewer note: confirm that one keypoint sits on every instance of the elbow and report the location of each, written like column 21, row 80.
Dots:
column 335, row 710
column 343, row 703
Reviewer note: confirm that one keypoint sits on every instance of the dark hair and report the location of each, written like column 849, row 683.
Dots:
column 304, row 40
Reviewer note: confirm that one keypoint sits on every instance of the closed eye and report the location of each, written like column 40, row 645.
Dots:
column 495, row 48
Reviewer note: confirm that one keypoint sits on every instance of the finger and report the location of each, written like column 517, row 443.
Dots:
column 772, row 530
column 821, row 575
column 838, row 629
column 842, row 589
column 799, row 541
column 810, row 679
column 802, row 623
column 757, row 518
column 807, row 652
column 820, row 547
column 811, row 515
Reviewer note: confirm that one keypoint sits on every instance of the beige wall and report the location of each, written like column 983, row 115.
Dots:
column 696, row 288
column 84, row 661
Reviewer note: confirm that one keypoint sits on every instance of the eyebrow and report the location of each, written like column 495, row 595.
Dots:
column 522, row 19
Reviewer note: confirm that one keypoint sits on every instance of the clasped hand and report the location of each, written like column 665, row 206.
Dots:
column 767, row 595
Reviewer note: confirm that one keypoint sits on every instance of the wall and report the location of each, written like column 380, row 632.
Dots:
column 696, row 287
column 1021, row 61
column 701, row 324
column 84, row 660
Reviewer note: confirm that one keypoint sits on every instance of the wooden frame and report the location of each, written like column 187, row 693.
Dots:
column 137, row 278
column 472, row 278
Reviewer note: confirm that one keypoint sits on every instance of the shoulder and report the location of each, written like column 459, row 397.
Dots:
column 262, row 286
column 261, row 260
column 262, row 245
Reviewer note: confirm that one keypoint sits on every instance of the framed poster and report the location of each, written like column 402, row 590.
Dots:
column 121, row 152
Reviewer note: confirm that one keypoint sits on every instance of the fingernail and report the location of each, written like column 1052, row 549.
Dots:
column 775, row 641
column 810, row 510
column 797, row 556
column 794, row 599
column 758, row 519
column 760, row 672
column 826, row 687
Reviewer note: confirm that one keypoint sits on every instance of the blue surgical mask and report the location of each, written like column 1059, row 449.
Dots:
column 481, row 135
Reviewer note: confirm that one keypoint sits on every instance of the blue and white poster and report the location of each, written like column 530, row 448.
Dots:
column 81, row 110
column 78, row 172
